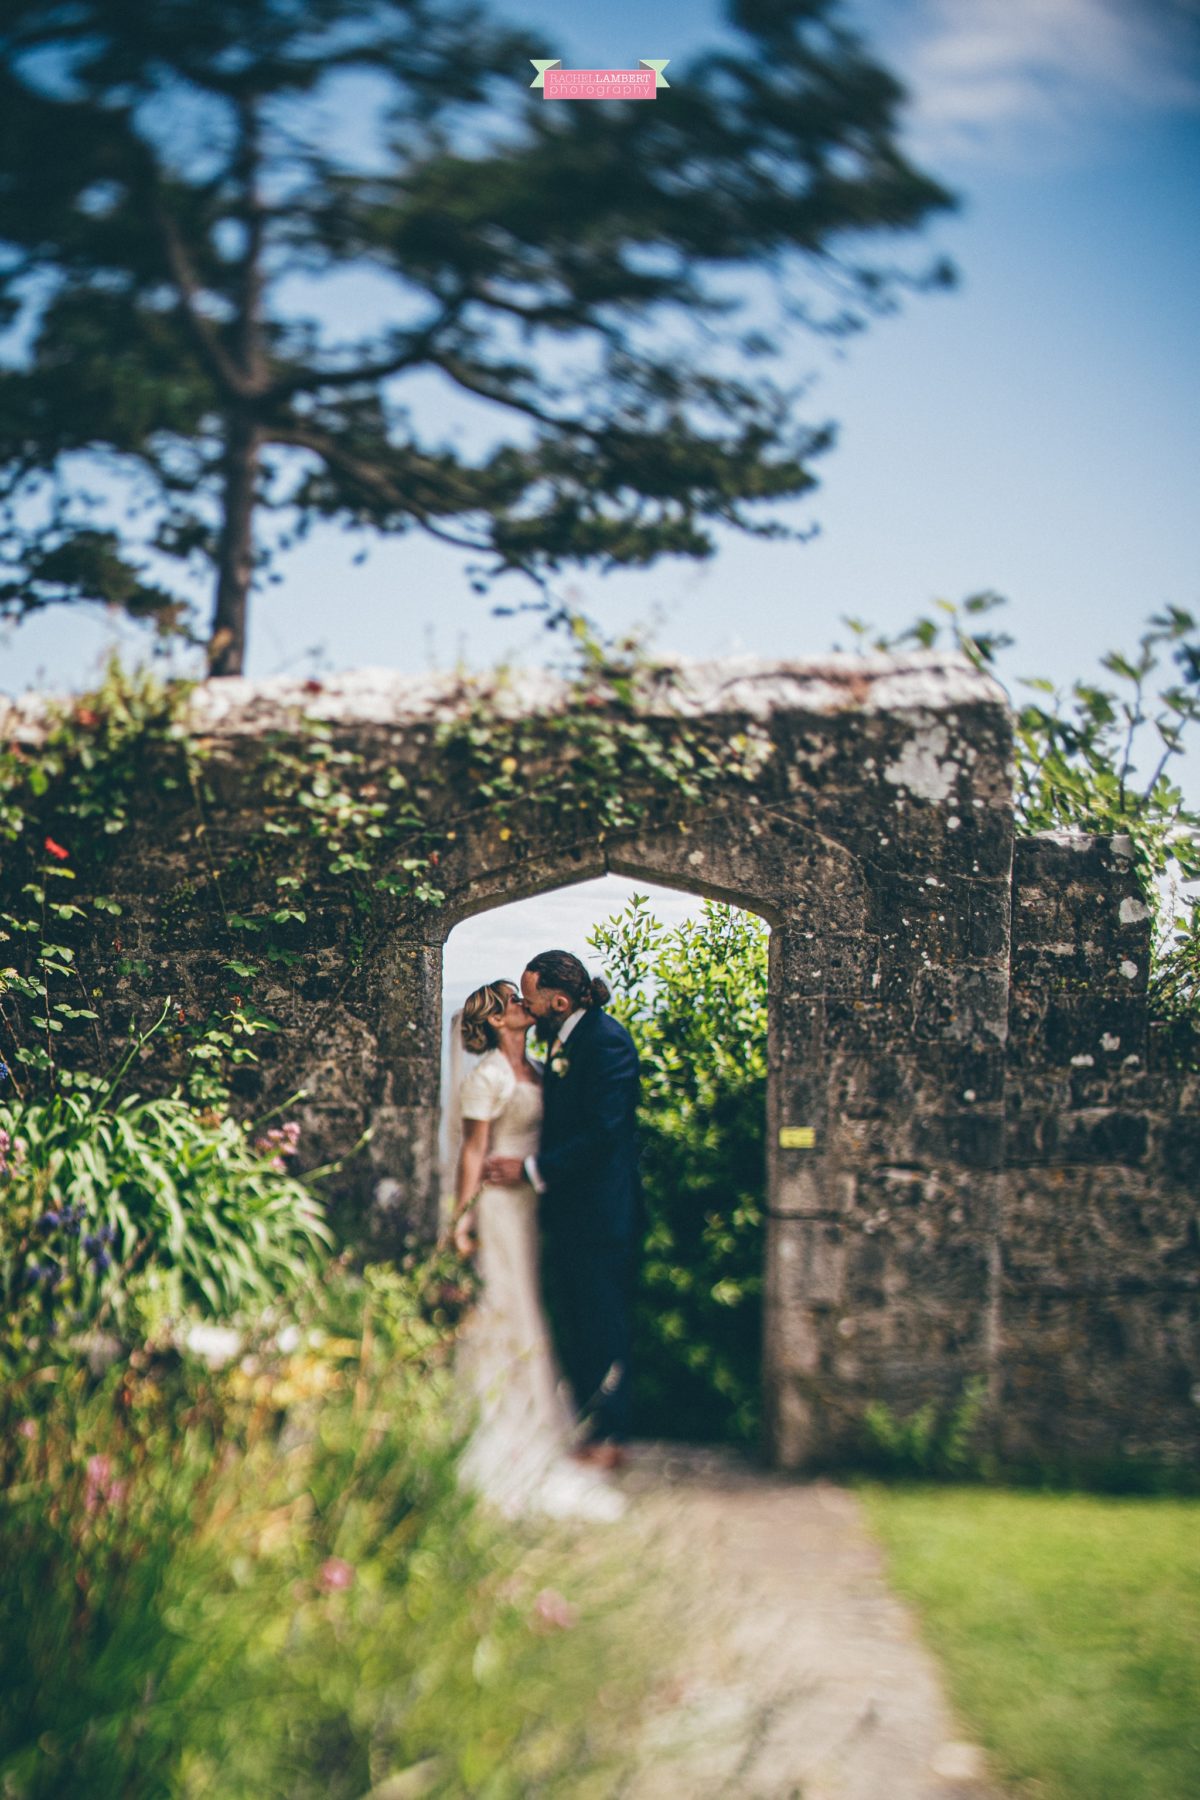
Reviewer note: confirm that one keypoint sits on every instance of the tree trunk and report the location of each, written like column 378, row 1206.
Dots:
column 235, row 563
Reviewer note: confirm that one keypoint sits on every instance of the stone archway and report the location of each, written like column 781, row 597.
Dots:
column 699, row 1360
column 879, row 848
column 877, row 838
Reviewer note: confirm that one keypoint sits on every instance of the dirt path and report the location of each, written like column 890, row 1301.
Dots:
column 802, row 1676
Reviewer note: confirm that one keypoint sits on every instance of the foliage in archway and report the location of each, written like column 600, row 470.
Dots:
column 695, row 999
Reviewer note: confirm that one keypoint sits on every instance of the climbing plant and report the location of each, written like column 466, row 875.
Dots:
column 307, row 814
column 1103, row 755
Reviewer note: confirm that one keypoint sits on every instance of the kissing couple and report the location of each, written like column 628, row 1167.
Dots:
column 548, row 1163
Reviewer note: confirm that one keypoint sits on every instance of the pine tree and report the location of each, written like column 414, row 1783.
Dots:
column 179, row 395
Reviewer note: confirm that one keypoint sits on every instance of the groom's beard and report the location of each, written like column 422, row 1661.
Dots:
column 545, row 1029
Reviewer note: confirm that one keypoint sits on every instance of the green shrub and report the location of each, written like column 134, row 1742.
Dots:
column 102, row 1203
column 695, row 999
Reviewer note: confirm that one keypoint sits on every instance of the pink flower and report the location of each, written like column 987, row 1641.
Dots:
column 280, row 1141
column 335, row 1575
column 28, row 1428
column 552, row 1613
column 56, row 850
column 101, row 1488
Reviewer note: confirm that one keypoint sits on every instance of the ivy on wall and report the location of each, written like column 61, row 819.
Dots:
column 307, row 813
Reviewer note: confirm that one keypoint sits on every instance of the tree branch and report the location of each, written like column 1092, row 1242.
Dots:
column 462, row 378
column 206, row 339
column 416, row 350
column 370, row 476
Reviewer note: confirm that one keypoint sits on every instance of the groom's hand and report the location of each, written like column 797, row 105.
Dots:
column 504, row 1171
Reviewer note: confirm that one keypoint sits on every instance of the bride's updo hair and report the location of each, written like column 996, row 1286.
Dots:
column 559, row 969
column 482, row 1013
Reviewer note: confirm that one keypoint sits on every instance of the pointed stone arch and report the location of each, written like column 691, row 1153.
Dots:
column 876, row 838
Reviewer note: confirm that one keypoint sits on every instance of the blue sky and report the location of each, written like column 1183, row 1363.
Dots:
column 1037, row 431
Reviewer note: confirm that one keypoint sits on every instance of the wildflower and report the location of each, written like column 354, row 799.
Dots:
column 278, row 1142
column 5, row 1071
column 94, row 1245
column 5, row 1146
column 101, row 1487
column 49, row 1221
column 28, row 1428
column 47, row 1272
column 56, row 850
column 86, row 717
column 552, row 1613
column 214, row 1344
column 335, row 1575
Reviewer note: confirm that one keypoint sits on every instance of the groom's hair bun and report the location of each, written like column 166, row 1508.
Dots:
column 559, row 969
column 481, row 1013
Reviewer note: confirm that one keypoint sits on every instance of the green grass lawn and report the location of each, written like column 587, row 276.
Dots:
column 1068, row 1627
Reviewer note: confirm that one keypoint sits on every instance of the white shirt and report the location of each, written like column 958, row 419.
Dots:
column 564, row 1031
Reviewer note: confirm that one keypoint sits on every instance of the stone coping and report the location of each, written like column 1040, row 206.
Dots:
column 921, row 681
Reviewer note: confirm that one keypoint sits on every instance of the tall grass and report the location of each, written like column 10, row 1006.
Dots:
column 267, row 1583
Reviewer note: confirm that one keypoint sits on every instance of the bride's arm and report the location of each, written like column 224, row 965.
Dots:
column 475, row 1137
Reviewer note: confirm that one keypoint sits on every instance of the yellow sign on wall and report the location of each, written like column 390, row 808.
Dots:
column 797, row 1137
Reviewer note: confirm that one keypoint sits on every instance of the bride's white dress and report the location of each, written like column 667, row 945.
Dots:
column 517, row 1457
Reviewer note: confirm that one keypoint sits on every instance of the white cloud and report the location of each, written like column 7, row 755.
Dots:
column 1024, row 77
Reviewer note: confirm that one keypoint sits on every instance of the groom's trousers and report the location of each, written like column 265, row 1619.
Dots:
column 592, row 1303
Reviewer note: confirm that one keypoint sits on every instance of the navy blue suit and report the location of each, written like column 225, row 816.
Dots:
column 591, row 1211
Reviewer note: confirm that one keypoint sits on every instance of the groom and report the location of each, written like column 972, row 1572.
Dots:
column 586, row 1170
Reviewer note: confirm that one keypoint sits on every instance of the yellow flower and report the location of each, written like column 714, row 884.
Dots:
column 509, row 766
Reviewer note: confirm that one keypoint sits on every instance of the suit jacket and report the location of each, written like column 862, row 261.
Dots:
column 588, row 1156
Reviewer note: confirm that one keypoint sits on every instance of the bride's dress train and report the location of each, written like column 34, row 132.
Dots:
column 518, row 1455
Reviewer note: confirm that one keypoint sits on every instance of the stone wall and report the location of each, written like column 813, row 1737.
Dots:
column 1100, row 1340
column 932, row 1147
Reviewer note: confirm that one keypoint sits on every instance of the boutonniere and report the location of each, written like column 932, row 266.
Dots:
column 557, row 1062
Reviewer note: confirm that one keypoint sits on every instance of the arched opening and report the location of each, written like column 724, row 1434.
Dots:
column 690, row 979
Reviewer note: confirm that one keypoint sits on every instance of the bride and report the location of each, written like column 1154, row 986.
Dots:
column 519, row 1455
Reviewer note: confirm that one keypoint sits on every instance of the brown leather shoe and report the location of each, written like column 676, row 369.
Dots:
column 603, row 1453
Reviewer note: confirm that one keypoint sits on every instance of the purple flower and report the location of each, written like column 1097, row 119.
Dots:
column 49, row 1220
column 47, row 1272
